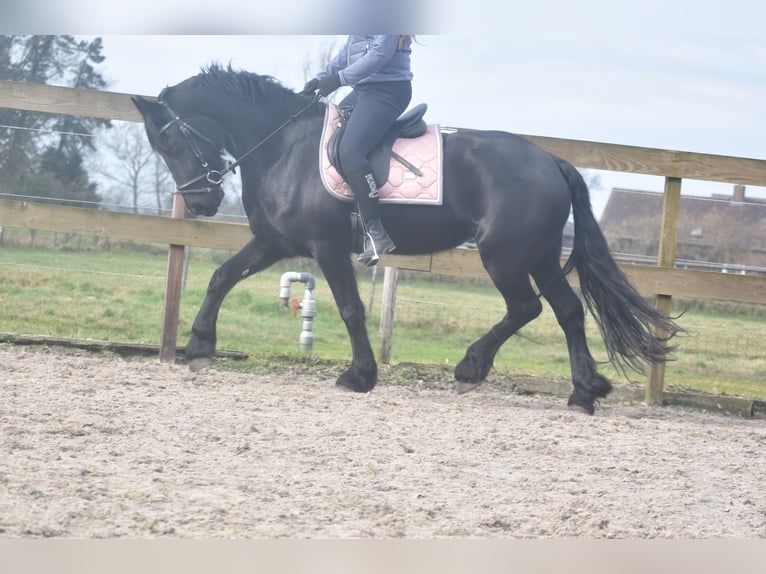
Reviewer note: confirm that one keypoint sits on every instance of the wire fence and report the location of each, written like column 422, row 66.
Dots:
column 418, row 310
column 445, row 316
column 722, row 353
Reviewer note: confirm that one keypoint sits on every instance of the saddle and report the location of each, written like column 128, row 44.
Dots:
column 409, row 125
column 407, row 164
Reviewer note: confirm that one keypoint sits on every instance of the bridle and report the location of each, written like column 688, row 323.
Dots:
column 214, row 176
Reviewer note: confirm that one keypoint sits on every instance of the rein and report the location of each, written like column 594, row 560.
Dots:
column 213, row 176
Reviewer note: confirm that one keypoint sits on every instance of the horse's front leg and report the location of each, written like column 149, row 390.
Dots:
column 253, row 257
column 362, row 375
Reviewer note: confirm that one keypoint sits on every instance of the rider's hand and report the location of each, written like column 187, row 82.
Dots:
column 329, row 84
column 310, row 87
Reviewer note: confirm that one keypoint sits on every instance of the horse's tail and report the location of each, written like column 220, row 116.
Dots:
column 626, row 320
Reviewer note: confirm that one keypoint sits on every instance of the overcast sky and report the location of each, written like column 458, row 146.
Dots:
column 673, row 74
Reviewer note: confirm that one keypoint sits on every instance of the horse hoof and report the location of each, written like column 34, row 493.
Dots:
column 579, row 404
column 199, row 363
column 472, row 370
column 346, row 386
column 579, row 409
column 463, row 387
column 353, row 382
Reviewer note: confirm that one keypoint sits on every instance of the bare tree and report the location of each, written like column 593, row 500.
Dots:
column 317, row 61
column 162, row 180
column 138, row 176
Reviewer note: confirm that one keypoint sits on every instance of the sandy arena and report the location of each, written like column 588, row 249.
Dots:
column 96, row 446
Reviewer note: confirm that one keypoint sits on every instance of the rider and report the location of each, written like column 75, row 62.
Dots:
column 378, row 69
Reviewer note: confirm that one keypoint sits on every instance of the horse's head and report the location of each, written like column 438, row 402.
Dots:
column 192, row 148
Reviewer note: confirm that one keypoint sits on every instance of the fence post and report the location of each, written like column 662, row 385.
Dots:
column 173, row 282
column 666, row 257
column 387, row 308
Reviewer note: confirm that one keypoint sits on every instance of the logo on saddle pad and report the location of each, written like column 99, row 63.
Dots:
column 414, row 178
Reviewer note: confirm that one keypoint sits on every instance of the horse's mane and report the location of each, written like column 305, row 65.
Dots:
column 246, row 87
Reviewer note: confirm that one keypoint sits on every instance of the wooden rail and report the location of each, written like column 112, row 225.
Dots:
column 585, row 154
column 662, row 280
column 648, row 279
column 652, row 161
column 125, row 226
column 67, row 101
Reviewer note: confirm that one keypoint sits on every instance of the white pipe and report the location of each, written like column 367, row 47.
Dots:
column 308, row 305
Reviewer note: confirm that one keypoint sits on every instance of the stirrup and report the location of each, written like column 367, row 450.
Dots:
column 371, row 256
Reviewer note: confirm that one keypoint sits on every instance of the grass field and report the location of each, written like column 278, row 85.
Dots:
column 118, row 295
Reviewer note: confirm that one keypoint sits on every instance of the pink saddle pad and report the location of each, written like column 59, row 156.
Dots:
column 403, row 186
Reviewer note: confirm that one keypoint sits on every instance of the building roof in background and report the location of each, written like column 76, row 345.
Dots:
column 709, row 228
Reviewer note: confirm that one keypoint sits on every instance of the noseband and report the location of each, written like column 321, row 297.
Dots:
column 213, row 176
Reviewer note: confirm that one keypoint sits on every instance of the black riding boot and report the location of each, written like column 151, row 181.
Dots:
column 377, row 241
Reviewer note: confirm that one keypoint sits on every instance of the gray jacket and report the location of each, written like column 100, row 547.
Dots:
column 367, row 59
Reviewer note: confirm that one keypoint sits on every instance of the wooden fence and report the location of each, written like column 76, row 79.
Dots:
column 661, row 280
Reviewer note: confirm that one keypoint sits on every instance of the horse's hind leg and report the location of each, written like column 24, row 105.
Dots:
column 253, row 257
column 522, row 306
column 588, row 384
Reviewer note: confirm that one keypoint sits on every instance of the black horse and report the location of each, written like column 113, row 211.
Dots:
column 510, row 196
